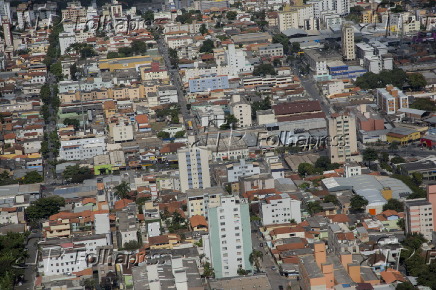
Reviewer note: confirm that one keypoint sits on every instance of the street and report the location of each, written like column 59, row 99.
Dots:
column 274, row 277
column 30, row 270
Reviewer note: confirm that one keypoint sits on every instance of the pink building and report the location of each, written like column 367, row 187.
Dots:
column 419, row 217
column 431, row 197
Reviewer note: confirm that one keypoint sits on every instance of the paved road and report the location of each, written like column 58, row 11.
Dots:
column 30, row 270
column 274, row 277
column 176, row 80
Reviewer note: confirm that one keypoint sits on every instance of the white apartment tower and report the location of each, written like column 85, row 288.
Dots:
column 343, row 139
column 228, row 245
column 348, row 49
column 194, row 168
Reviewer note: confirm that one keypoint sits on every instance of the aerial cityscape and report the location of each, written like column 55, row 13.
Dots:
column 218, row 144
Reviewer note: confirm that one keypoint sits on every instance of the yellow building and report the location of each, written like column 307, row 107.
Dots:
column 402, row 135
column 164, row 241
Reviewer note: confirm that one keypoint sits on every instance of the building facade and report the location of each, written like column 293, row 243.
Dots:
column 194, row 168
column 419, row 217
column 348, row 49
column 343, row 143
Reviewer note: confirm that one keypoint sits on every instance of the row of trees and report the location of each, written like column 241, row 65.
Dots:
column 396, row 77
column 137, row 47
column 28, row 178
column 322, row 164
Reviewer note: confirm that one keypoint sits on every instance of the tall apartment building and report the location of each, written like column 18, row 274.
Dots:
column 241, row 109
column 228, row 244
column 5, row 10
column 419, row 217
column 340, row 7
column 194, row 168
column 343, row 138
column 200, row 200
column 431, row 197
column 236, row 170
column 391, row 99
column 348, row 49
column 295, row 17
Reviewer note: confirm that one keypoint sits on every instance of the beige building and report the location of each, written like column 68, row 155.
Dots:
column 343, row 140
column 295, row 16
column 348, row 48
column 121, row 132
column 419, row 217
column 194, row 168
column 200, row 200
column 241, row 110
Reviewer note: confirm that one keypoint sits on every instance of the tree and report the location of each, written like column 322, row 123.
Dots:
column 132, row 245
column 255, row 258
column 394, row 204
column 242, row 272
column 283, row 40
column 323, row 163
column 369, row 154
column 295, row 47
column 73, row 71
column 32, row 177
column 122, row 190
column 180, row 134
column 405, row 286
column 231, row 15
column 163, row 135
column 208, row 271
column 174, row 58
column 12, row 253
column 72, row 122
column 424, row 104
column 138, row 47
column 76, row 173
column 207, row 46
column 393, row 146
column 416, row 81
column 383, row 157
column 112, row 54
column 305, row 169
column 44, row 207
column 314, row 207
column 89, row 284
column 230, row 121
column 203, row 29
column 148, row 15
column 369, row 80
column 264, row 69
column 331, row 198
column 56, row 69
column 264, row 104
column 357, row 202
column 417, row 178
column 398, row 159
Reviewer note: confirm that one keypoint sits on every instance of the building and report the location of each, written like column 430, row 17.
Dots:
column 194, row 168
column 237, row 61
column 273, row 49
column 348, row 49
column 313, row 270
column 200, row 200
column 236, row 170
column 317, row 61
column 278, row 209
column 343, row 143
column 427, row 167
column 208, row 83
column 241, row 109
column 391, row 99
column 82, row 149
column 228, row 245
column 121, row 132
column 402, row 135
column 419, row 217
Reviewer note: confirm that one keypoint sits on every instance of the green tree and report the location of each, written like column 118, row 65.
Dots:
column 264, row 104
column 56, row 69
column 32, row 177
column 255, row 258
column 207, row 46
column 305, row 169
column 405, row 286
column 148, row 15
column 416, row 81
column 369, row 80
column 203, row 29
column 383, row 157
column 89, row 284
column 139, row 47
column 417, row 178
column 424, row 104
column 72, row 122
column 230, row 121
column 131, row 245
column 174, row 58
column 295, row 47
column 208, row 271
column 314, row 207
column 112, row 54
column 283, row 40
column 398, row 159
column 231, row 15
column 393, row 146
column 369, row 154
column 163, row 135
column 76, row 173
column 180, row 134
column 264, row 69
column 12, row 253
column 44, row 207
column 331, row 198
column 73, row 71
column 357, row 202
column 122, row 190
column 242, row 272
column 394, row 204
